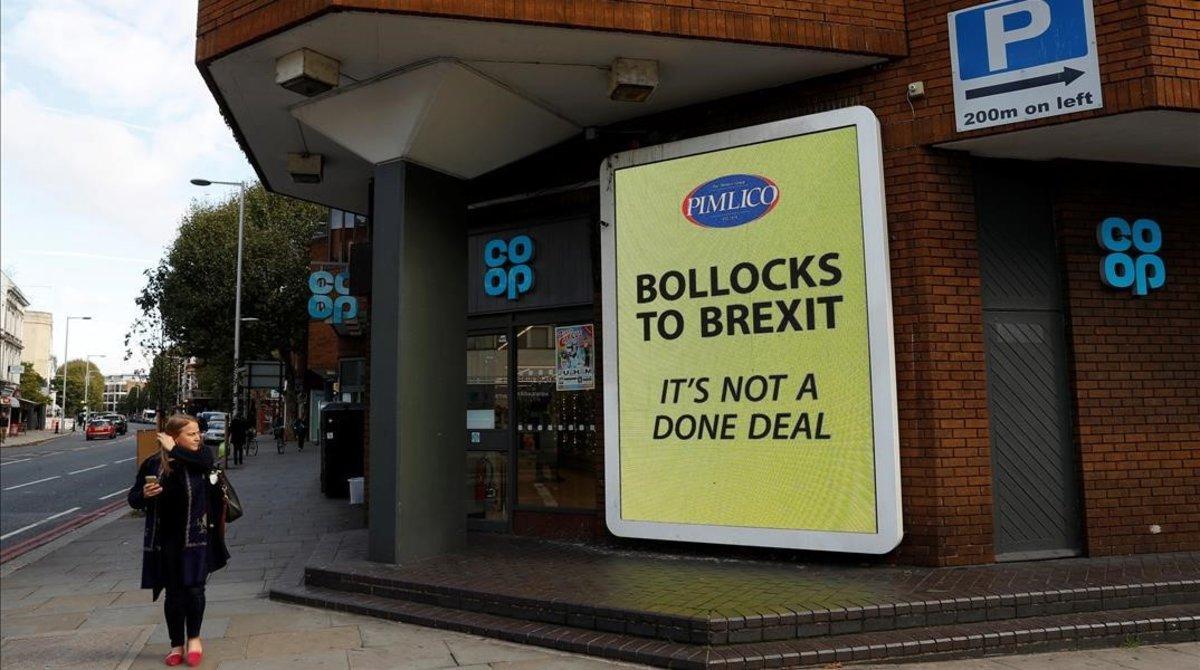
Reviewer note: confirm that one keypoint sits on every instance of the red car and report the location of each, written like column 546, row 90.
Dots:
column 101, row 428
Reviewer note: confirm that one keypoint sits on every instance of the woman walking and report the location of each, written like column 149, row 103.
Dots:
column 184, row 538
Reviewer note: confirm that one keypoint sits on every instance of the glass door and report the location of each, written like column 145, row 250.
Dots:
column 488, row 430
column 556, row 450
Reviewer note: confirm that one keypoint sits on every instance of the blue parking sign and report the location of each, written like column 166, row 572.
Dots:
column 1015, row 60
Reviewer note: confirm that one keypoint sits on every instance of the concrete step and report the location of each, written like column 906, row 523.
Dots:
column 1034, row 633
column 784, row 624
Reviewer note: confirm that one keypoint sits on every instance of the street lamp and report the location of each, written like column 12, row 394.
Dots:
column 237, row 300
column 66, row 361
column 87, row 377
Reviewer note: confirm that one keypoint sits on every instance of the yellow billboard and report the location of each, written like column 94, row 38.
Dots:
column 748, row 363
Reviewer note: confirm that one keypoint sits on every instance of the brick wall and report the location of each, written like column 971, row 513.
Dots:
column 1173, row 40
column 864, row 26
column 1136, row 371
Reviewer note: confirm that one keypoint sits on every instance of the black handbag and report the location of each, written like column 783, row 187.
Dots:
column 233, row 504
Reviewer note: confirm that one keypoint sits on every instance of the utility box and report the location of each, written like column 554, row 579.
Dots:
column 341, row 447
column 147, row 444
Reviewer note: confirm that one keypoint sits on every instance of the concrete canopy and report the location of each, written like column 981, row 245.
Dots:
column 1153, row 137
column 463, row 96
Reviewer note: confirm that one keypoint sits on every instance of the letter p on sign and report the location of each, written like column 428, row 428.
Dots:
column 1003, row 25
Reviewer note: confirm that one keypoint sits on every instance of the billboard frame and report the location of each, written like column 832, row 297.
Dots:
column 889, row 526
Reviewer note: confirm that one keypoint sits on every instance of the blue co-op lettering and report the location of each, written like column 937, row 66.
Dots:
column 331, row 299
column 509, row 270
column 1133, row 261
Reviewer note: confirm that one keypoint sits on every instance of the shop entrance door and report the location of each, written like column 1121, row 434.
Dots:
column 489, row 441
column 1035, row 479
column 531, row 435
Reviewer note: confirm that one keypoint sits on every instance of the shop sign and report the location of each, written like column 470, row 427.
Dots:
column 543, row 266
column 509, row 270
column 574, row 357
column 1133, row 261
column 1016, row 60
column 331, row 300
column 749, row 382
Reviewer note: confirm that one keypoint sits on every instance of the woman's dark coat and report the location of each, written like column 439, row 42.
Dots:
column 204, row 548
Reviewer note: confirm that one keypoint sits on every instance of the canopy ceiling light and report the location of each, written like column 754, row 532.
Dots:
column 305, row 168
column 307, row 72
column 632, row 79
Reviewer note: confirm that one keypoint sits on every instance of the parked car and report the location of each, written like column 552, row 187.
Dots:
column 119, row 421
column 98, row 428
column 216, row 432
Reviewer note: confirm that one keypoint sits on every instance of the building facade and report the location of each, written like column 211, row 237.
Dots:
column 12, row 330
column 1042, row 286
column 39, row 338
column 116, row 387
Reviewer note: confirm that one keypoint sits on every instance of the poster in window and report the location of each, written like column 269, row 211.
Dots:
column 574, row 356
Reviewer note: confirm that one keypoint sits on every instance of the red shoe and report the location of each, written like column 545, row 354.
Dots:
column 194, row 658
column 174, row 658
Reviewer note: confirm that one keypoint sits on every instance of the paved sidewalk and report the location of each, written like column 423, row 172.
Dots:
column 79, row 606
column 32, row 437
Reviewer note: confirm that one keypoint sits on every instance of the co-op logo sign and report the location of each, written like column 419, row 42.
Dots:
column 1133, row 260
column 331, row 300
column 730, row 201
column 509, row 270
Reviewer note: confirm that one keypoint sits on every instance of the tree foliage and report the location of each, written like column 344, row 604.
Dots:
column 75, row 386
column 33, row 385
column 188, row 301
column 133, row 402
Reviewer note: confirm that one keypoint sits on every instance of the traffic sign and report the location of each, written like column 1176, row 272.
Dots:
column 1016, row 60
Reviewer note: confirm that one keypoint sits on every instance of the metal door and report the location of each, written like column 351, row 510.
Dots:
column 1035, row 479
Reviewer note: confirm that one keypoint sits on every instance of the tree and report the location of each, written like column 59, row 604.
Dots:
column 33, row 385
column 162, row 385
column 75, row 386
column 188, row 301
column 133, row 402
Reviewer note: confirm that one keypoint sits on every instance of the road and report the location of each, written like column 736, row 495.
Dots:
column 46, row 485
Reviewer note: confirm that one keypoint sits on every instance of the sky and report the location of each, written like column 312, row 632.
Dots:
column 103, row 120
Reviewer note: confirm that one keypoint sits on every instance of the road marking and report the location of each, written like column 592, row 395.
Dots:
column 124, row 460
column 37, row 523
column 79, row 448
column 20, row 460
column 114, row 493
column 31, row 483
column 94, row 467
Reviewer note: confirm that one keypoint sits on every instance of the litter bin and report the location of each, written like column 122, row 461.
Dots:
column 341, row 447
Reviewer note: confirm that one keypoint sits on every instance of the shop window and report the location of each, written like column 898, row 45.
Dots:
column 556, row 430
column 487, row 382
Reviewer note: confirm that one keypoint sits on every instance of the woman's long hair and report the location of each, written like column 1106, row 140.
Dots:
column 174, row 427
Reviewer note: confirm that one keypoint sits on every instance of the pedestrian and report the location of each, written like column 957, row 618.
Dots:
column 237, row 437
column 300, row 428
column 184, row 537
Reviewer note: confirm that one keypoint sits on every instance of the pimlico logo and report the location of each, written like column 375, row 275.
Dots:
column 730, row 201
